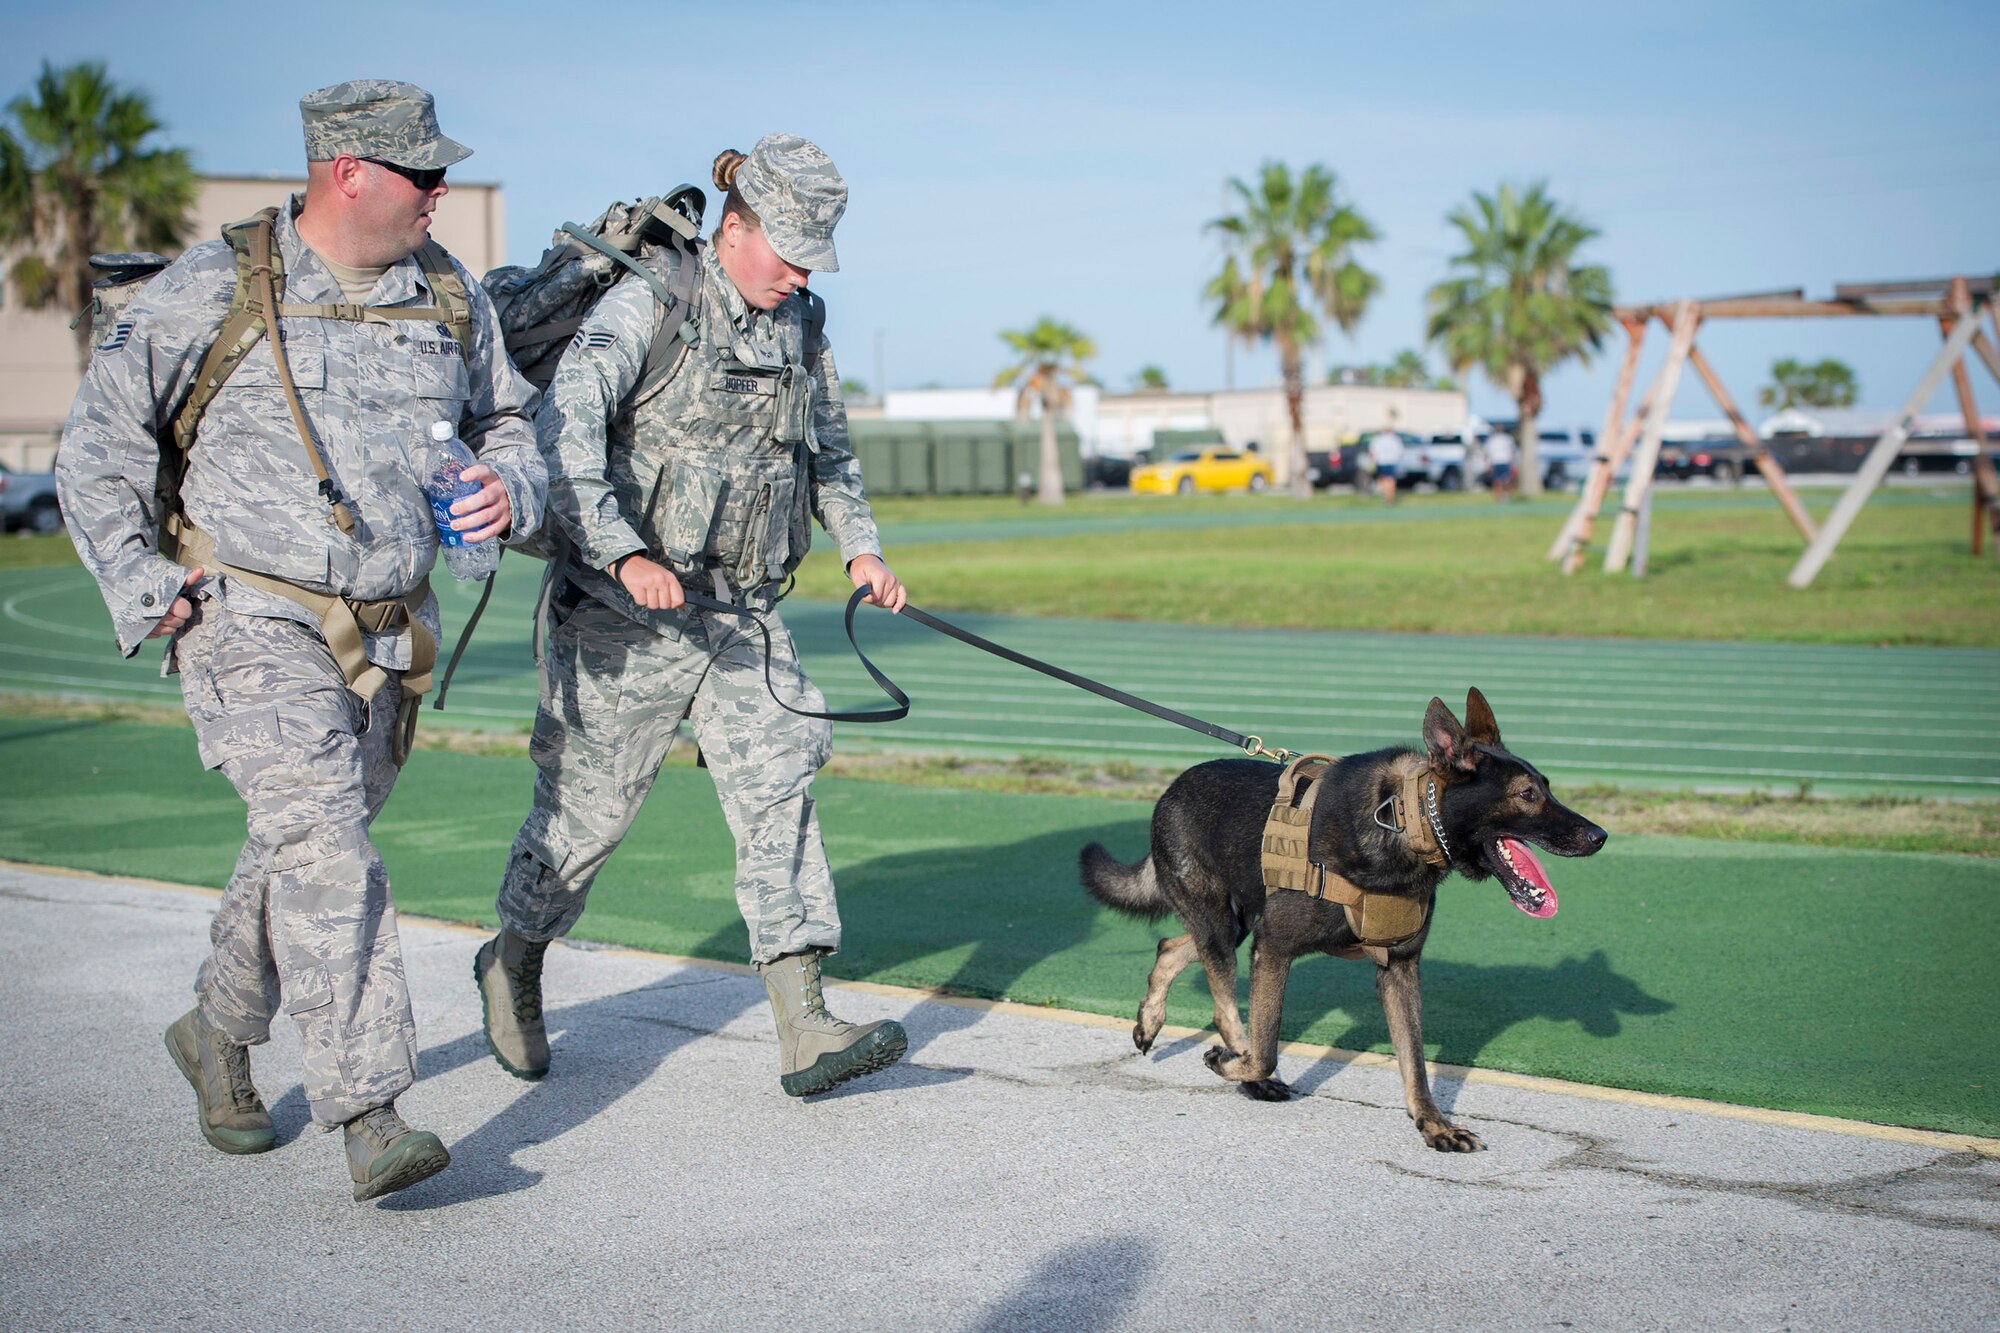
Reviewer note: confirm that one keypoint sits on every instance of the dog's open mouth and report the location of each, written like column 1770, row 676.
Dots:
column 1521, row 874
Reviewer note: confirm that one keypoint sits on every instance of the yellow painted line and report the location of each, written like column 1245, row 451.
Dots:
column 1758, row 1115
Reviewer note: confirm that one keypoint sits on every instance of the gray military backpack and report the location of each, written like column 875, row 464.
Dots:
column 541, row 308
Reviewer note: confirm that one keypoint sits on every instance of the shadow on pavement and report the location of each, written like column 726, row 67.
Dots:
column 1009, row 907
column 1085, row 1285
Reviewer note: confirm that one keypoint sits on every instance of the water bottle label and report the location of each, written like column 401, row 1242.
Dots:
column 442, row 515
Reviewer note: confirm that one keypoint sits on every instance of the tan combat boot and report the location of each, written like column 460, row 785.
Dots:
column 232, row 1115
column 385, row 1155
column 817, row 1051
column 509, row 972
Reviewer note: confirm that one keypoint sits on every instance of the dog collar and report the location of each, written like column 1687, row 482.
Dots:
column 1420, row 792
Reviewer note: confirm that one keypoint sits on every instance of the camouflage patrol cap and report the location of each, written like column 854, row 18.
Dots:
column 396, row 122
column 796, row 190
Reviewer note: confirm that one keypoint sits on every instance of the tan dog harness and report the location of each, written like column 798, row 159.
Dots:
column 1379, row 920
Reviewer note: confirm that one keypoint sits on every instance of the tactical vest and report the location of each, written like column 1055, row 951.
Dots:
column 1380, row 921
column 714, row 469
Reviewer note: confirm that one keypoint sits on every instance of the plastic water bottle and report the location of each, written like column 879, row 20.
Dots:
column 445, row 484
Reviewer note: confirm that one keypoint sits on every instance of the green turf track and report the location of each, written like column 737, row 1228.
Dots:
column 1855, row 984
column 1842, row 719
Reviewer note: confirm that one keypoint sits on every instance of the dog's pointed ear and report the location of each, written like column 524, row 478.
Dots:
column 1447, row 742
column 1479, row 721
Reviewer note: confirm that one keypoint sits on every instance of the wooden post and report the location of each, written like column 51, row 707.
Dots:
column 1592, row 494
column 1774, row 475
column 1876, row 465
column 1985, row 487
column 1600, row 483
column 1687, row 317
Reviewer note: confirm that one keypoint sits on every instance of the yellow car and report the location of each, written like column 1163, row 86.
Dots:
column 1193, row 470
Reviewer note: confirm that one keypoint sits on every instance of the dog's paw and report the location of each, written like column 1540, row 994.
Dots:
column 1214, row 1057
column 1447, row 1137
column 1142, row 1038
column 1268, row 1089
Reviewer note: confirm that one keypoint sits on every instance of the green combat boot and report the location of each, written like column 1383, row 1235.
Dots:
column 509, row 972
column 385, row 1155
column 817, row 1051
column 232, row 1117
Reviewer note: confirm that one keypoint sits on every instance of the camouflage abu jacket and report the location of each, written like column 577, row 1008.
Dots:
column 371, row 390
column 722, row 467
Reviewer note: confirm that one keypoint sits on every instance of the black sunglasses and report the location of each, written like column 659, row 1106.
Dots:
column 424, row 178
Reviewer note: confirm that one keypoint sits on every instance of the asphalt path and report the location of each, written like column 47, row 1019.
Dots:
column 1018, row 1171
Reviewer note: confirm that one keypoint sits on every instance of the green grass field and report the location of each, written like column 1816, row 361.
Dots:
column 1452, row 564
column 1844, row 983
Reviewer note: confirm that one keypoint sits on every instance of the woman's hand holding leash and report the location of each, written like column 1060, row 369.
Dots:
column 652, row 586
column 884, row 588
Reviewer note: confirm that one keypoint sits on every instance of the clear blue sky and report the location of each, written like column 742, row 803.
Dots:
column 1016, row 160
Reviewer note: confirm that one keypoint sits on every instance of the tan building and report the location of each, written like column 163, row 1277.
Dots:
column 38, row 371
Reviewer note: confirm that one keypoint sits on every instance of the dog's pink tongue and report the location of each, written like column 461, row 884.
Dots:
column 1530, row 869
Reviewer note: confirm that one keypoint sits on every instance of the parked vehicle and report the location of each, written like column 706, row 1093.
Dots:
column 1338, row 466
column 28, row 500
column 1725, row 460
column 1439, row 460
column 1191, row 470
column 1111, row 471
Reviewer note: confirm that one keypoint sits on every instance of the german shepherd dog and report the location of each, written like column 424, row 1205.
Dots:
column 1205, row 867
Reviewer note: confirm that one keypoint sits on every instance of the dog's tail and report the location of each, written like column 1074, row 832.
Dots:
column 1134, row 890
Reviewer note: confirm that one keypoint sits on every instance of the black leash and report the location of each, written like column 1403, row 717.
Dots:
column 1250, row 745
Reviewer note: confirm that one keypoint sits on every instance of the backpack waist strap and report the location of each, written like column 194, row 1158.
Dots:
column 342, row 621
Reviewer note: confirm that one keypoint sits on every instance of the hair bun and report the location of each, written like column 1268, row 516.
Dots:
column 727, row 162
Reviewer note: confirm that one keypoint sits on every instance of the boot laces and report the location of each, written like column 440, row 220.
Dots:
column 527, row 983
column 234, row 1062
column 815, row 997
column 381, row 1127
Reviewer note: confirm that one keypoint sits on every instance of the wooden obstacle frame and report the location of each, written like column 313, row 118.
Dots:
column 1957, row 304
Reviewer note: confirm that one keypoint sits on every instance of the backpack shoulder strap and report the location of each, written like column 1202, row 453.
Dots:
column 241, row 327
column 448, row 289
column 253, row 311
column 815, row 327
column 678, row 327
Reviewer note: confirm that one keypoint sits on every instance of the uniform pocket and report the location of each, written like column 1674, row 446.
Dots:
column 222, row 736
column 442, row 377
column 772, row 533
column 311, row 989
column 682, row 512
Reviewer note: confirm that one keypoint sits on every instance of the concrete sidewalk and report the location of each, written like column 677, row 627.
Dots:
column 1016, row 1172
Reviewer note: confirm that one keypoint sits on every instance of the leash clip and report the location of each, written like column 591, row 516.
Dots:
column 1253, row 746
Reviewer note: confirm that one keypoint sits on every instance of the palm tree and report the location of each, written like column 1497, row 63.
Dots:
column 1150, row 379
column 1289, row 252
column 1518, row 303
column 1825, row 383
column 1051, row 360
column 1407, row 371
column 75, row 178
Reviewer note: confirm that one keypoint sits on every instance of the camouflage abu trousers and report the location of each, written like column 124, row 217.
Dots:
column 613, row 692
column 306, row 916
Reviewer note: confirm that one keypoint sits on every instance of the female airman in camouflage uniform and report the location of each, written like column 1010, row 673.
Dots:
column 709, row 482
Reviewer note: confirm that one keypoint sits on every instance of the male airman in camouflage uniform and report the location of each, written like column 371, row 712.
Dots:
column 263, row 576
column 709, row 481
